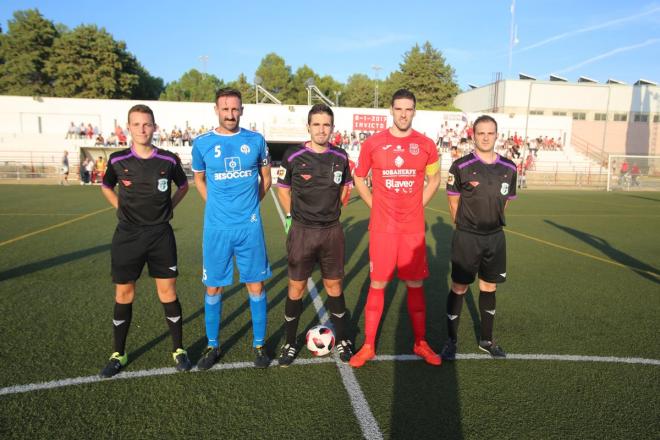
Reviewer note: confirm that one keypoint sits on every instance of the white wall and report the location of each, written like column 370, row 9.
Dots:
column 564, row 96
column 20, row 117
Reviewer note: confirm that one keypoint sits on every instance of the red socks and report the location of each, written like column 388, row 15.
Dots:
column 373, row 312
column 417, row 312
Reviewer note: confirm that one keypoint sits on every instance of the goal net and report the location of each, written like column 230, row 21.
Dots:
column 633, row 173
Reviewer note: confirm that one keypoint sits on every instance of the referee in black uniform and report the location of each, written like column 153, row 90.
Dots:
column 311, row 182
column 144, row 206
column 479, row 187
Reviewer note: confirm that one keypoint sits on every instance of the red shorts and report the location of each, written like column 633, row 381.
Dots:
column 404, row 252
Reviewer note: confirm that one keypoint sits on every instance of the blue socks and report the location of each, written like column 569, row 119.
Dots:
column 212, row 312
column 258, row 310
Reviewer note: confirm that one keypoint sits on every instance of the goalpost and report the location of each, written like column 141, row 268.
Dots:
column 629, row 172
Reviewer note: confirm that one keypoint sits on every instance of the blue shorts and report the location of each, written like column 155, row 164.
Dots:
column 247, row 245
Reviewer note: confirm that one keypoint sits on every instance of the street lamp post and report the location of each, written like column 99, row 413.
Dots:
column 376, row 68
column 205, row 60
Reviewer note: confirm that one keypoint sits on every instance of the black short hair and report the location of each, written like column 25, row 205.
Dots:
column 141, row 108
column 320, row 108
column 484, row 118
column 403, row 94
column 228, row 92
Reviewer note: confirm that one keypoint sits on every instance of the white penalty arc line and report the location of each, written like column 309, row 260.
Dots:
column 124, row 375
column 365, row 418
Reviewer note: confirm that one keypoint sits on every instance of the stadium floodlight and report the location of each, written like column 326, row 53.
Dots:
column 309, row 82
column 258, row 80
column 525, row 76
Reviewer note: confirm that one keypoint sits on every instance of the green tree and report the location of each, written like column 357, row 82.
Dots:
column 328, row 85
column 193, row 86
column 24, row 50
column 274, row 73
column 359, row 91
column 296, row 91
column 88, row 63
column 242, row 85
column 425, row 72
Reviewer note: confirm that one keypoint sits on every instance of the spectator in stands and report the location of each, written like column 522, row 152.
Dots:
column 186, row 138
column 89, row 131
column 99, row 140
column 65, row 169
column 112, row 140
column 121, row 138
column 71, row 132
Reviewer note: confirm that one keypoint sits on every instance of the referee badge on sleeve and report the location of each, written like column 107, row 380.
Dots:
column 281, row 173
column 450, row 179
column 337, row 178
column 162, row 185
column 505, row 189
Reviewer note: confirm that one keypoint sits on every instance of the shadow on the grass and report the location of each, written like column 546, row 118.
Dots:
column 642, row 269
column 58, row 260
column 425, row 398
column 197, row 347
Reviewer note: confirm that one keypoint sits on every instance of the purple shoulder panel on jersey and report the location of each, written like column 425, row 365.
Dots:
column 474, row 159
column 506, row 164
column 297, row 153
column 167, row 158
column 337, row 153
column 452, row 193
column 118, row 158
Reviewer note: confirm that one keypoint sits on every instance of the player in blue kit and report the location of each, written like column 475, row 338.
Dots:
column 232, row 174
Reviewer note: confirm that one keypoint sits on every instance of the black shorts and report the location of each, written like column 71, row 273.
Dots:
column 133, row 246
column 473, row 254
column 306, row 246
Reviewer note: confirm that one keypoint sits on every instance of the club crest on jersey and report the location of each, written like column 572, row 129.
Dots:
column 245, row 149
column 126, row 183
column 162, row 185
column 398, row 161
column 306, row 176
column 337, row 178
column 450, row 179
column 414, row 149
column 505, row 189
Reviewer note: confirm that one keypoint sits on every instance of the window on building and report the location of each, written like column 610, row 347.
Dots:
column 579, row 116
column 600, row 117
column 558, row 113
column 623, row 117
column 641, row 117
column 536, row 112
column 656, row 118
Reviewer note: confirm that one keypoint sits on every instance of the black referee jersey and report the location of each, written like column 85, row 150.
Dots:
column 483, row 189
column 144, row 185
column 316, row 180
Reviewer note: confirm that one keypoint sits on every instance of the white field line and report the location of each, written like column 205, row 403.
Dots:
column 366, row 419
column 20, row 389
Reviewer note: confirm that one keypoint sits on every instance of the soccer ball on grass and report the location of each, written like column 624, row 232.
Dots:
column 320, row 340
